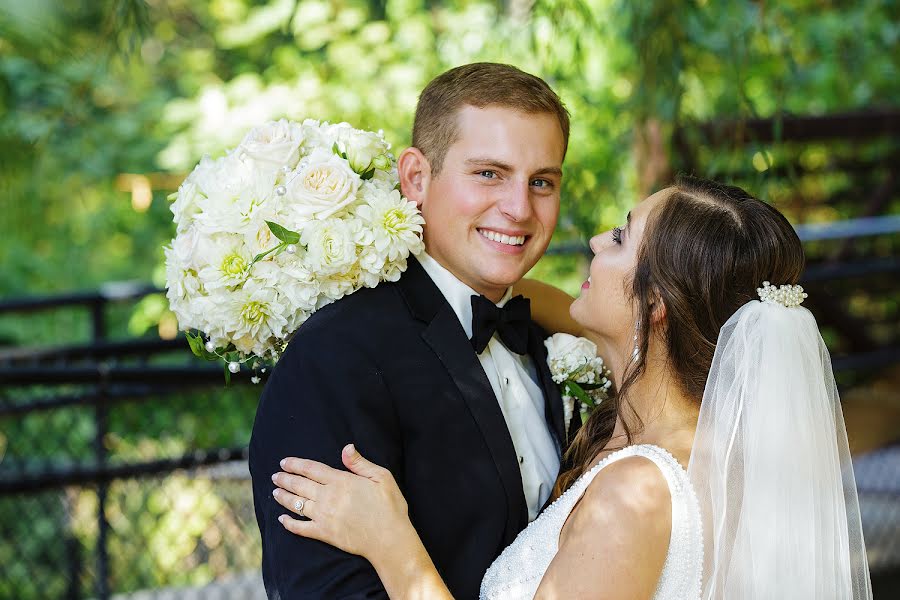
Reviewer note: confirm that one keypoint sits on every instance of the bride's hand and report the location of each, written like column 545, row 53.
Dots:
column 351, row 511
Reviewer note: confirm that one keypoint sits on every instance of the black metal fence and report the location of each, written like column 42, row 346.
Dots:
column 122, row 464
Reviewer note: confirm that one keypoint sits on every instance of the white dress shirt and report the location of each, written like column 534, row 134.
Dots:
column 515, row 383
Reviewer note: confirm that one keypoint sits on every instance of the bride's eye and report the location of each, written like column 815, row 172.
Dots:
column 617, row 235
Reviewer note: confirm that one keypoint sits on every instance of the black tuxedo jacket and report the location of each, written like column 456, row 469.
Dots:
column 391, row 370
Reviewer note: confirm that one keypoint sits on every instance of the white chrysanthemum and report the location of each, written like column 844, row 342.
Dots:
column 254, row 316
column 330, row 247
column 223, row 261
column 395, row 223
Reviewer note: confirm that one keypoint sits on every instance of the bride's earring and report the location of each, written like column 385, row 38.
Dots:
column 636, row 352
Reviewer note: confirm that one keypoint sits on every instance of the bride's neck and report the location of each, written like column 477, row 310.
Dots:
column 656, row 409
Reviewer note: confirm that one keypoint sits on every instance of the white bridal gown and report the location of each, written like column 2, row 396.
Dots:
column 517, row 572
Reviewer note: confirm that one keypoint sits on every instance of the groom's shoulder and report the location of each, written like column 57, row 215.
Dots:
column 356, row 316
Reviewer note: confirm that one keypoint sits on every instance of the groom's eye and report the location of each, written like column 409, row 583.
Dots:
column 488, row 174
column 542, row 183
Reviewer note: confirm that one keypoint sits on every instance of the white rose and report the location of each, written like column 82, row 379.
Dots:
column 275, row 144
column 563, row 345
column 330, row 247
column 322, row 186
column 362, row 149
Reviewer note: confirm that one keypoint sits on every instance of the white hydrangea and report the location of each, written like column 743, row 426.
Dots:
column 295, row 217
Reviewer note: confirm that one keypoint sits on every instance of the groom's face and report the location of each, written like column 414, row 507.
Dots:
column 491, row 210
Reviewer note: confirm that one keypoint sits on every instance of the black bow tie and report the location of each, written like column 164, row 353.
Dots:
column 510, row 322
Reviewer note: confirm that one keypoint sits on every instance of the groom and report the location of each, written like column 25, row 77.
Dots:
column 427, row 376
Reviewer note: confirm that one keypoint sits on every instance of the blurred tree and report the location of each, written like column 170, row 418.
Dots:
column 91, row 90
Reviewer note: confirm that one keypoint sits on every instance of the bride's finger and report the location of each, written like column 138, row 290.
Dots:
column 298, row 505
column 311, row 469
column 307, row 529
column 358, row 464
column 297, row 484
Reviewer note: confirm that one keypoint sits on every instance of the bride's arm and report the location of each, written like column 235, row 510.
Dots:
column 615, row 542
column 549, row 306
column 362, row 512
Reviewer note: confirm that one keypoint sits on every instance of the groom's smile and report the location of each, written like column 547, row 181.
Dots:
column 491, row 209
column 508, row 241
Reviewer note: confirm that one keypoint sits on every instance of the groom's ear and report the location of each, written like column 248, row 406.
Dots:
column 415, row 175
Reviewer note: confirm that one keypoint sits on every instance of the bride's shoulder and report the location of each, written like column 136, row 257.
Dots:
column 632, row 483
column 630, row 494
column 624, row 519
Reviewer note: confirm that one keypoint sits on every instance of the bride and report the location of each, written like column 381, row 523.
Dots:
column 720, row 470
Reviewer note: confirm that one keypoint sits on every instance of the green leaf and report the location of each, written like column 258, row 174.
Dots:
column 262, row 255
column 196, row 344
column 285, row 235
column 337, row 151
column 368, row 174
column 590, row 386
column 576, row 390
column 227, row 375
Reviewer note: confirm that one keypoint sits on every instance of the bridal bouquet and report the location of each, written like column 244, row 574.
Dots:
column 295, row 217
column 579, row 373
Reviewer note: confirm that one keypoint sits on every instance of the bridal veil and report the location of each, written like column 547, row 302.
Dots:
column 771, row 465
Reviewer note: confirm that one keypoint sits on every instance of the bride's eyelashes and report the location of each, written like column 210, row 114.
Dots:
column 617, row 235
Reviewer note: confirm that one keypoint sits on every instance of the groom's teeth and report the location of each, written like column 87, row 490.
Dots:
column 503, row 238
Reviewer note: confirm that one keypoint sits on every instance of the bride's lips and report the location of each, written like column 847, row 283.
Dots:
column 586, row 284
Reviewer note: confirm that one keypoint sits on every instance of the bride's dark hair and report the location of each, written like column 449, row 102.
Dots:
column 706, row 249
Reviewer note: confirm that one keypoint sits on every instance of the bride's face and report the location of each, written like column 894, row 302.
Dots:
column 605, row 306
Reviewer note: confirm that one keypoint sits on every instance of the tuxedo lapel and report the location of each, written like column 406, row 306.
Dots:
column 445, row 336
column 553, row 408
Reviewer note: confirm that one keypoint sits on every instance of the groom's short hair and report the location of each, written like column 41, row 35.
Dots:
column 480, row 85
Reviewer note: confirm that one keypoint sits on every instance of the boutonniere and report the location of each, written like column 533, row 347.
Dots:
column 579, row 373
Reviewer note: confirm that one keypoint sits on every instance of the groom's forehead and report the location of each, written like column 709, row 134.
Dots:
column 506, row 138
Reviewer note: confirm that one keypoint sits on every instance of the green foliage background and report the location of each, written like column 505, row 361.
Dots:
column 93, row 89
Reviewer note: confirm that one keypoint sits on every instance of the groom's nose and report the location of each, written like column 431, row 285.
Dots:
column 515, row 202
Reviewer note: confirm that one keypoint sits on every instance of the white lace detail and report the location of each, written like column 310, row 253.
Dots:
column 517, row 572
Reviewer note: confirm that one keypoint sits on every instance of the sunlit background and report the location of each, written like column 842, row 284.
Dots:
column 122, row 459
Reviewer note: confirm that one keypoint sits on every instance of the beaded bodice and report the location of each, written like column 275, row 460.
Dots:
column 518, row 571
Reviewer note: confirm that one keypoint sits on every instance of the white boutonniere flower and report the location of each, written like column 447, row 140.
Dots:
column 579, row 373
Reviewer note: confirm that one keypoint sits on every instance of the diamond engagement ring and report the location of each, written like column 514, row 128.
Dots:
column 298, row 506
